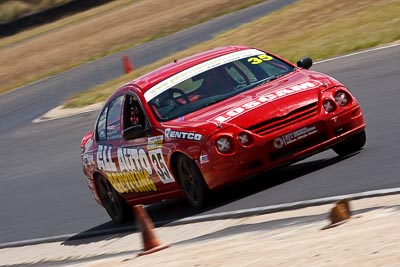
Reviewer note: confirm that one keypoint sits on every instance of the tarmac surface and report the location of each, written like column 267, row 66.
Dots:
column 288, row 238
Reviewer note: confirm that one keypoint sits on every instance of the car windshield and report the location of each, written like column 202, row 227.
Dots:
column 213, row 81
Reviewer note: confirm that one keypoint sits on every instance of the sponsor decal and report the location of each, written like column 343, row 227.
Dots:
column 199, row 68
column 104, row 159
column 295, row 136
column 203, row 159
column 160, row 166
column 299, row 134
column 260, row 59
column 127, row 182
column 135, row 168
column 155, row 142
column 182, row 135
column 263, row 99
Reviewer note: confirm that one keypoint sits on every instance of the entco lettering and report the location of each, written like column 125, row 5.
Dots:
column 265, row 99
column 182, row 135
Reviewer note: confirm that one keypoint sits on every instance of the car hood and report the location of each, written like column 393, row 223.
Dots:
column 274, row 99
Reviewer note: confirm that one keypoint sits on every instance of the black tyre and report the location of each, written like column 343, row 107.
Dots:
column 350, row 145
column 192, row 182
column 115, row 205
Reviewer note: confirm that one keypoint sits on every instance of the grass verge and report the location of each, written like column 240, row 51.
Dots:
column 319, row 29
column 92, row 34
column 13, row 9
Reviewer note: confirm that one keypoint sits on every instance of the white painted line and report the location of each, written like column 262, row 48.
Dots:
column 287, row 206
column 59, row 238
column 359, row 52
column 215, row 216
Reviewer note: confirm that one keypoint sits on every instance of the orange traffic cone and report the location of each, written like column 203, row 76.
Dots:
column 146, row 226
column 339, row 214
column 127, row 64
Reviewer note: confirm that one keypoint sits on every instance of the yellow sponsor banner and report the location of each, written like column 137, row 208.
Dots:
column 132, row 182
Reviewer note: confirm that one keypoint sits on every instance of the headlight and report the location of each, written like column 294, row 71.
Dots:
column 342, row 98
column 329, row 105
column 224, row 144
column 245, row 139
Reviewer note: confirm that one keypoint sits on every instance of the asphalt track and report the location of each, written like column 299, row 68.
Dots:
column 43, row 193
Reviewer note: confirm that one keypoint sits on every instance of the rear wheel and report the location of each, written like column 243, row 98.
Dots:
column 350, row 145
column 115, row 205
column 192, row 182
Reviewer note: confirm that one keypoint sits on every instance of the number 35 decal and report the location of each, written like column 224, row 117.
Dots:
column 259, row 59
column 160, row 166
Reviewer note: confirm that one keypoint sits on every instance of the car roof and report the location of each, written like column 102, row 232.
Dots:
column 149, row 79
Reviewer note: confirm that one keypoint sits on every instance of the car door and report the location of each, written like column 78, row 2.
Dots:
column 142, row 158
column 109, row 137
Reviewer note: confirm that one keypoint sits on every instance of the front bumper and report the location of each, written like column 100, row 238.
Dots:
column 283, row 147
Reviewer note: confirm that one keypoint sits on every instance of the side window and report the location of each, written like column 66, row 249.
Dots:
column 101, row 125
column 114, row 119
column 133, row 113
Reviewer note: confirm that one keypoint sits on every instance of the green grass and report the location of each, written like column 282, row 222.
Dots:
column 319, row 29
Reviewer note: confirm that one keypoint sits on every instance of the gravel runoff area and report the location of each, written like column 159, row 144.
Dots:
column 371, row 237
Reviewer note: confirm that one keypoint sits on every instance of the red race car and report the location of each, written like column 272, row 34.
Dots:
column 211, row 119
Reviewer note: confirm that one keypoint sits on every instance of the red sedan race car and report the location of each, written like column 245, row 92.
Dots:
column 211, row 119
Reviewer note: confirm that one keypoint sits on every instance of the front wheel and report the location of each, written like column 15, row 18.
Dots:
column 351, row 145
column 192, row 182
column 116, row 207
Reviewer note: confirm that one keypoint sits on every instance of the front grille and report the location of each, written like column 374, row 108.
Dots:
column 297, row 115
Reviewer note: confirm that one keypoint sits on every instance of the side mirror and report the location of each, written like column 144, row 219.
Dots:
column 133, row 132
column 305, row 63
